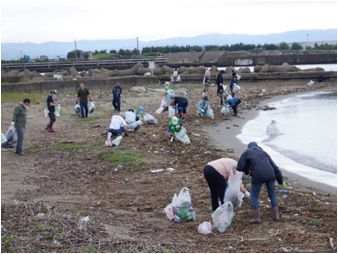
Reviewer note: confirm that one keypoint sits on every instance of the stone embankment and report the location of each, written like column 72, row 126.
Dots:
column 69, row 80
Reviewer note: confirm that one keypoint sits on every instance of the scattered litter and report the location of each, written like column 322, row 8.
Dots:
column 204, row 228
column 170, row 169
column 82, row 222
column 283, row 191
column 156, row 170
column 197, row 135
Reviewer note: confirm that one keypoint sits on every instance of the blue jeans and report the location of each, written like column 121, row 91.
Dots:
column 256, row 188
column 84, row 105
column 20, row 130
column 116, row 132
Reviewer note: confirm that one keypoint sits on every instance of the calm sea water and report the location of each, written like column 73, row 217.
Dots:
column 300, row 135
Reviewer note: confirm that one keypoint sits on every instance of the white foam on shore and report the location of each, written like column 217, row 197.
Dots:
column 254, row 130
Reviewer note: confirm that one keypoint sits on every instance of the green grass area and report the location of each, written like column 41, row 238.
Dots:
column 121, row 158
column 75, row 146
column 92, row 119
column 19, row 96
column 102, row 55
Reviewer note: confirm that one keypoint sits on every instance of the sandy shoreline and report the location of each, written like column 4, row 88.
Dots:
column 224, row 136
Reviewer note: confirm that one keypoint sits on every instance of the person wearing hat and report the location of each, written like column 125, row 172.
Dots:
column 217, row 175
column 138, row 112
column 175, row 125
column 262, row 170
column 118, row 125
column 169, row 93
column 82, row 96
column 203, row 106
column 233, row 103
column 51, row 108
column 180, row 104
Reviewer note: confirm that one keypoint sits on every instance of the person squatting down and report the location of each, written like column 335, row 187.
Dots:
column 262, row 170
column 217, row 174
column 51, row 108
column 174, row 126
column 233, row 103
column 118, row 125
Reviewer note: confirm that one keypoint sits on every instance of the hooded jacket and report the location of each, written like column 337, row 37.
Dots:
column 262, row 167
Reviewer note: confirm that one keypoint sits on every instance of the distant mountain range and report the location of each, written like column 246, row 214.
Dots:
column 13, row 51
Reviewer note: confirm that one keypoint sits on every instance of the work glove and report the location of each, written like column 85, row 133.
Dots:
column 76, row 102
column 126, row 134
column 180, row 127
column 283, row 186
column 247, row 194
column 202, row 110
column 169, row 136
column 12, row 124
column 90, row 100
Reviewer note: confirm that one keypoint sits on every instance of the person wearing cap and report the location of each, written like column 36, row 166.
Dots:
column 138, row 112
column 203, row 106
column 180, row 104
column 233, row 103
column 175, row 125
column 262, row 170
column 118, row 125
column 51, row 108
column 82, row 96
column 217, row 175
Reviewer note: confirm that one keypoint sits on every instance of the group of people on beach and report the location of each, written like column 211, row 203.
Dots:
column 254, row 161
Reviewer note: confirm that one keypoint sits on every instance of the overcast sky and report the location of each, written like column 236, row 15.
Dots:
column 68, row 20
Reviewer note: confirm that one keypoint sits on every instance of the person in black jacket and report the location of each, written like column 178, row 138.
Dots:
column 219, row 82
column 117, row 91
column 262, row 170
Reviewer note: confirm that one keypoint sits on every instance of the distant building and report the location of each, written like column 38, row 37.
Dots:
column 86, row 55
column 44, row 57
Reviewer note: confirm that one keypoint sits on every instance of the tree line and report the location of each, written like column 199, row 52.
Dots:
column 158, row 50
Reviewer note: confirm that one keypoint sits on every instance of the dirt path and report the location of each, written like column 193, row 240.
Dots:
column 70, row 174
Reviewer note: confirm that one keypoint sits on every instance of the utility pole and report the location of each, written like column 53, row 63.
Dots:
column 138, row 52
column 75, row 52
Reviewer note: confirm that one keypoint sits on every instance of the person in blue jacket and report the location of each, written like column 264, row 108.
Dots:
column 233, row 103
column 262, row 170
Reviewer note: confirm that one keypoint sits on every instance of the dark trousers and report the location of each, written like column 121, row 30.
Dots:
column 84, row 109
column 217, row 185
column 20, row 130
column 235, row 106
column 117, row 103
column 52, row 119
column 116, row 132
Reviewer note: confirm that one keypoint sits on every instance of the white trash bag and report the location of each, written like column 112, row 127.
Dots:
column 162, row 106
column 108, row 140
column 222, row 217
column 150, row 119
column 204, row 228
column 171, row 111
column 77, row 108
column 233, row 192
column 181, row 207
column 237, row 88
column 182, row 136
column 225, row 111
column 3, row 138
column 210, row 113
column 46, row 112
column 91, row 107
column 117, row 141
column 57, row 110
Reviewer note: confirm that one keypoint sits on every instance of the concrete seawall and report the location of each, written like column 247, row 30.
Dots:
column 73, row 85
